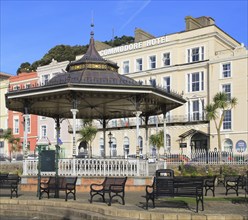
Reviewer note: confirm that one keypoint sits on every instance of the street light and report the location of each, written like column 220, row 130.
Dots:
column 110, row 135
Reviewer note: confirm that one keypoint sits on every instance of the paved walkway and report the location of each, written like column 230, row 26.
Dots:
column 232, row 208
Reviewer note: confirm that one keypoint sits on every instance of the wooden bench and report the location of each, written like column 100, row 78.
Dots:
column 10, row 181
column 232, row 183
column 175, row 187
column 114, row 186
column 66, row 184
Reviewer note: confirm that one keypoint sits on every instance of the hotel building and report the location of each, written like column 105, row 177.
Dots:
column 198, row 63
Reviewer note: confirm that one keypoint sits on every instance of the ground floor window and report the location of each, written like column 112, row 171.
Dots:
column 101, row 143
column 113, row 148
column 228, row 145
column 126, row 146
column 140, row 145
column 168, row 142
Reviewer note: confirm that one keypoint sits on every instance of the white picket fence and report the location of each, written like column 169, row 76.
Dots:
column 210, row 157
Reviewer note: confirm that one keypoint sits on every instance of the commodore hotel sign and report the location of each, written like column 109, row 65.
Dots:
column 133, row 46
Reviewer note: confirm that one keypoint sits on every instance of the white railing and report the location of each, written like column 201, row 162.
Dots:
column 133, row 167
column 208, row 157
column 95, row 167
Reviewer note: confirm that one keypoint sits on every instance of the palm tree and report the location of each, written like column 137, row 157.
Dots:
column 216, row 111
column 87, row 134
column 157, row 140
column 15, row 142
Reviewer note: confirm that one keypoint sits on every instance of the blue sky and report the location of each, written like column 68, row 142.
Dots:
column 30, row 28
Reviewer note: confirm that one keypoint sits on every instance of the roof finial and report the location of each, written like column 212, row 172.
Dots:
column 92, row 25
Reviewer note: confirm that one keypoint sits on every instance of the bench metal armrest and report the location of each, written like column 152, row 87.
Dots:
column 92, row 187
column 209, row 182
column 149, row 187
column 70, row 185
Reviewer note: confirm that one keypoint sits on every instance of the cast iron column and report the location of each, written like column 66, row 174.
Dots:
column 57, row 157
column 137, row 113
column 25, row 138
column 74, row 149
column 165, row 145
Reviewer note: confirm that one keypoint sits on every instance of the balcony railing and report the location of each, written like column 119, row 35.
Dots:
column 131, row 122
column 97, row 167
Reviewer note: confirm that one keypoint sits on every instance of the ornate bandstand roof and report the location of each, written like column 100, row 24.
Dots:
column 94, row 87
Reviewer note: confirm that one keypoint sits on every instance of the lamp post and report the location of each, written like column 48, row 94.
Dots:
column 110, row 135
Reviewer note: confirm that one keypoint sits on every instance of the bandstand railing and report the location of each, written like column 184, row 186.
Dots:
column 97, row 167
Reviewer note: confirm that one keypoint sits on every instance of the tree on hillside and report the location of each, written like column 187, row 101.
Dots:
column 68, row 53
column 59, row 53
column 25, row 67
column 118, row 41
column 64, row 52
column 216, row 111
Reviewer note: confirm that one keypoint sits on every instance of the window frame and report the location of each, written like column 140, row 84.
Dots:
column 41, row 131
column 101, row 147
column 113, row 147
column 229, row 122
column 16, row 87
column 222, row 70
column 27, row 85
column 228, row 145
column 167, row 87
column 29, row 124
column 194, row 115
column 168, row 142
column 190, row 55
column 229, row 94
column 140, row 69
column 45, row 80
column 150, row 62
column 126, row 145
column 167, row 59
column 126, row 64
column 200, row 82
column 16, row 126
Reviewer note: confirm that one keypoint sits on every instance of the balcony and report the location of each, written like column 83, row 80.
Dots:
column 153, row 121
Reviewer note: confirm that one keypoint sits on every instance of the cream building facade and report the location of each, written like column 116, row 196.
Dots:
column 198, row 63
column 4, row 85
column 46, row 125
